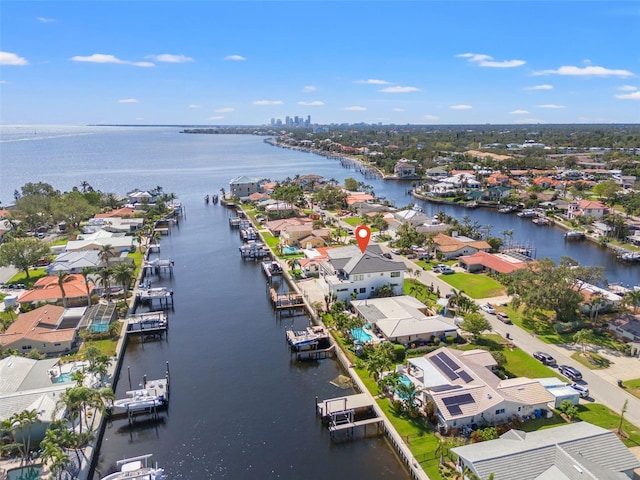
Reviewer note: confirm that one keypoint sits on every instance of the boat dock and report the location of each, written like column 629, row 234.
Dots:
column 254, row 250
column 150, row 295
column 149, row 399
column 158, row 266
column 272, row 269
column 150, row 323
column 286, row 300
column 345, row 414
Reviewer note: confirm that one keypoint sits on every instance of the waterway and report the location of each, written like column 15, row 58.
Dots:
column 240, row 406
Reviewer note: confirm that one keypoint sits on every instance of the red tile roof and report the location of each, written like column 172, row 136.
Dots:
column 492, row 262
column 47, row 289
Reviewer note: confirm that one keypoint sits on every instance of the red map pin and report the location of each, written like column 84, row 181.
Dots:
column 363, row 235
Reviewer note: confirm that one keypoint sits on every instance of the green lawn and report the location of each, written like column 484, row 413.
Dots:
column 633, row 387
column 270, row 240
column 475, row 286
column 605, row 418
column 353, row 221
column 592, row 360
column 34, row 275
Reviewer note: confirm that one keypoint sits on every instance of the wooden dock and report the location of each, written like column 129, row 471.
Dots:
column 286, row 300
column 346, row 414
column 158, row 266
column 150, row 295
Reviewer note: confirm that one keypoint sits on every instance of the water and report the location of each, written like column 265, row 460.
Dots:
column 24, row 473
column 240, row 406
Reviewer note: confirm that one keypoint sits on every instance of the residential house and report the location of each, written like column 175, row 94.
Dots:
column 455, row 246
column 498, row 179
column 568, row 452
column 124, row 212
column 96, row 241
column 244, row 186
column 596, row 299
column 358, row 197
column 423, row 222
column 49, row 329
column 74, row 262
column 482, row 261
column 292, row 235
column 113, row 225
column 404, row 319
column 316, row 239
column 437, row 173
column 348, row 274
column 403, row 169
column 466, row 393
column 626, row 326
column 27, row 385
column 5, row 227
column 138, row 197
column 492, row 194
column 586, row 208
column 47, row 290
column 276, row 226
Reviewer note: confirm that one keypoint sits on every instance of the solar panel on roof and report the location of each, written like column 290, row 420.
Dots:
column 463, row 399
column 465, row 376
column 448, row 360
column 454, row 410
column 445, row 369
column 444, row 388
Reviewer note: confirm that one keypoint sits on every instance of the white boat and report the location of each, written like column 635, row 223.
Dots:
column 137, row 468
column 574, row 235
column 154, row 395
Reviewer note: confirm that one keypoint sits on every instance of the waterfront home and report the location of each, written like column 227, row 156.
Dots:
column 124, row 212
column 423, row 222
column 467, row 393
column 244, row 186
column 358, row 197
column 5, row 227
column 404, row 169
column 596, row 299
column 482, row 261
column 626, row 326
column 74, row 262
column 404, row 319
column 47, row 290
column 492, row 194
column 586, row 208
column 349, row 274
column 113, row 225
column 576, row 450
column 96, row 241
column 49, row 329
column 436, row 173
column 275, row 227
column 27, row 385
column 137, row 198
column 455, row 246
column 304, row 236
column 317, row 238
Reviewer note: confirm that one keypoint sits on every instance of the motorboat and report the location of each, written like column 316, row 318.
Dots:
column 137, row 468
column 154, row 395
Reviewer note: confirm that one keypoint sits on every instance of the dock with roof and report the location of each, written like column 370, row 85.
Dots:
column 345, row 414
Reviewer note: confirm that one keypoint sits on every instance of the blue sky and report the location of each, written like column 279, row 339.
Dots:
column 242, row 62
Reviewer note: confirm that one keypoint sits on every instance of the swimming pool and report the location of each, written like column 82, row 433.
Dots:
column 62, row 378
column 25, row 473
column 99, row 325
column 361, row 335
column 288, row 250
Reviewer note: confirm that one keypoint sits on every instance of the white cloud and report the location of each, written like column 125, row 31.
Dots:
column 4, row 82
column 194, row 106
column 461, row 107
column 593, row 71
column 627, row 88
column 237, row 58
column 551, row 105
column 8, row 58
column 225, row 110
column 309, row 88
column 629, row 96
column 488, row 61
column 431, row 118
column 399, row 89
column 128, row 100
column 398, row 109
column 216, row 117
column 355, row 108
column 169, row 58
column 519, row 112
column 315, row 103
column 103, row 58
column 46, row 20
column 372, row 81
column 268, row 102
column 540, row 87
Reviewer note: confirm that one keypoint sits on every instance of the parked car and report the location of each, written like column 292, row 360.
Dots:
column 488, row 308
column 387, row 255
column 581, row 389
column 395, row 251
column 503, row 317
column 544, row 358
column 447, row 270
column 570, row 372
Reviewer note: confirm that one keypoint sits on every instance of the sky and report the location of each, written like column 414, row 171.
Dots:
column 390, row 62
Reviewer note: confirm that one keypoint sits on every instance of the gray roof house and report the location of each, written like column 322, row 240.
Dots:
column 74, row 262
column 467, row 393
column 348, row 271
column 570, row 452
column 244, row 186
column 403, row 319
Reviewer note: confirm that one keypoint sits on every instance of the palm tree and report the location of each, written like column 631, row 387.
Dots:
column 123, row 274
column 26, row 419
column 85, row 186
column 104, row 254
column 104, row 277
column 86, row 271
column 633, row 297
column 64, row 277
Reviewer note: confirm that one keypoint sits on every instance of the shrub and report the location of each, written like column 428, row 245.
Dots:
column 399, row 351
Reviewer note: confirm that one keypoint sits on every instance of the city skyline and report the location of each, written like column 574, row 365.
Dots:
column 244, row 63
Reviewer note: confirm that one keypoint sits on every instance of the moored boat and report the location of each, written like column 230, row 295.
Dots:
column 574, row 235
column 137, row 468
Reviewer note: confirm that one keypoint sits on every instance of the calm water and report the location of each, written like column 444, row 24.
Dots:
column 240, row 408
